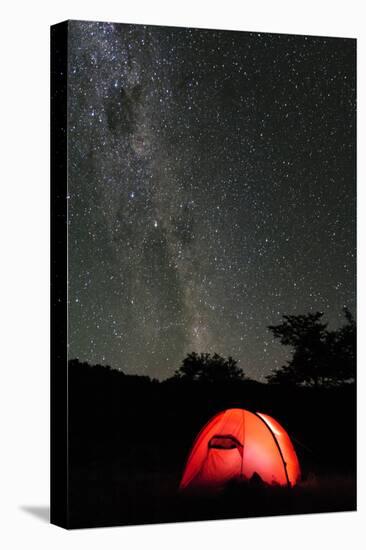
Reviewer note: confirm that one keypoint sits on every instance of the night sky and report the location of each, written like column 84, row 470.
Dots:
column 211, row 191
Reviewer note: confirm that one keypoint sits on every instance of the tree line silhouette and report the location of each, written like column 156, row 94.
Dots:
column 320, row 357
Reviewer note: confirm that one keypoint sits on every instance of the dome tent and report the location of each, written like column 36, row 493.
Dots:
column 237, row 444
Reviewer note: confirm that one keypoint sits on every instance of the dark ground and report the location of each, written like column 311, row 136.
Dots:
column 130, row 438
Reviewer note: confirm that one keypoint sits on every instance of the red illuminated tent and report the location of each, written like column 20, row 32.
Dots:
column 236, row 444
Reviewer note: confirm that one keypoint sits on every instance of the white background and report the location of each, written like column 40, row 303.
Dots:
column 24, row 272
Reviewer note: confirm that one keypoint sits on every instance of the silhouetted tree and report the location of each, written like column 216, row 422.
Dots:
column 342, row 350
column 210, row 368
column 320, row 357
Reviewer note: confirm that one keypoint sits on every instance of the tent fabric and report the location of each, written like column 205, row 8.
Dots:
column 237, row 443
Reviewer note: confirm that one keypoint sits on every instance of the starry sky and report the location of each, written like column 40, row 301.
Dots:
column 211, row 190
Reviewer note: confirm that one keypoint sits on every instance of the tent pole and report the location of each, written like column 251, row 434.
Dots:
column 278, row 447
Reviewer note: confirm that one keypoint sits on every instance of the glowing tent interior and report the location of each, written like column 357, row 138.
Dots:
column 237, row 444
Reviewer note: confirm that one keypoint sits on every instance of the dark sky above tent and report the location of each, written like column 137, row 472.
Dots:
column 211, row 191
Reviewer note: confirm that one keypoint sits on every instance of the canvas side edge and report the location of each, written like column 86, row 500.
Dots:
column 59, row 334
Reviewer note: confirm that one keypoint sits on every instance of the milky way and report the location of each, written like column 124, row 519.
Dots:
column 211, row 191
